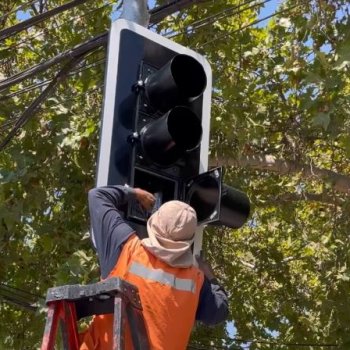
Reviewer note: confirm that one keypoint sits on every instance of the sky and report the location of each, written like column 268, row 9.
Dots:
column 22, row 15
column 269, row 8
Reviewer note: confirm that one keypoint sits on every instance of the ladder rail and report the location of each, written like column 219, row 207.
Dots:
column 69, row 327
column 119, row 324
column 50, row 331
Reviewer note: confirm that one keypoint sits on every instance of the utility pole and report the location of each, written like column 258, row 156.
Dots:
column 136, row 11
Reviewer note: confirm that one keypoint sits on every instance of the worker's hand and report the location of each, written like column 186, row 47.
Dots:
column 145, row 198
column 205, row 267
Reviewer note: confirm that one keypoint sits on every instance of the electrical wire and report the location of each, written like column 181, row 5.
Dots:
column 12, row 120
column 16, row 291
column 82, row 94
column 162, row 8
column 18, row 297
column 232, row 8
column 165, row 6
column 250, row 24
column 19, row 8
column 30, row 38
column 203, row 23
column 46, row 82
column 26, row 89
column 16, row 302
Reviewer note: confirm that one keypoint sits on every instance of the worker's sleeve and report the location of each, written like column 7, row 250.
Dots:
column 213, row 304
column 109, row 229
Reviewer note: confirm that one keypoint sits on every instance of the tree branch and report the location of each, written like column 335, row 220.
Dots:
column 30, row 111
column 341, row 183
column 310, row 197
column 7, row 32
column 41, row 67
column 247, row 264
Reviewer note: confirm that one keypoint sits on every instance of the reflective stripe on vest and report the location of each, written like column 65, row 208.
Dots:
column 163, row 277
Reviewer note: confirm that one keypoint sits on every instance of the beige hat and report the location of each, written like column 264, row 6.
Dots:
column 171, row 232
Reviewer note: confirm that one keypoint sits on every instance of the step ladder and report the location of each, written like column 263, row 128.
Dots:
column 68, row 304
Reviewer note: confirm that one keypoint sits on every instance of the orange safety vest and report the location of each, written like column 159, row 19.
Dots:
column 169, row 298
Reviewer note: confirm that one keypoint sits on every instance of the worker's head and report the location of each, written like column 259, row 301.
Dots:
column 174, row 220
column 171, row 231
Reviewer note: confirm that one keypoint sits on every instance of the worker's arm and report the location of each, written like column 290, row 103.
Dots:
column 213, row 302
column 109, row 228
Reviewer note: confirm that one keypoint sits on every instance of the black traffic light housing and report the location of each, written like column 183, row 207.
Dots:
column 155, row 127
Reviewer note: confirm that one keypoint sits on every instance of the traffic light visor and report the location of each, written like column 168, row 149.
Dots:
column 180, row 81
column 235, row 207
column 204, row 198
column 166, row 139
column 203, row 193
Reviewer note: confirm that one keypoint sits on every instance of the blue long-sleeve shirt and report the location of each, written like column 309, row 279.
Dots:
column 110, row 232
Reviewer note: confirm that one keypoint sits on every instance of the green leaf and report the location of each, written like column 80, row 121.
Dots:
column 345, row 140
column 321, row 119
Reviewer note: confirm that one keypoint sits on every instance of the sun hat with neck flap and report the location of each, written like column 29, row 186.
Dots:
column 171, row 232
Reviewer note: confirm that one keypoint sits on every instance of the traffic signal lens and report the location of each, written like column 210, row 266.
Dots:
column 185, row 128
column 189, row 76
column 166, row 139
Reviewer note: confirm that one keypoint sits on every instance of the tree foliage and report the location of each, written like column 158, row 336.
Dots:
column 280, row 125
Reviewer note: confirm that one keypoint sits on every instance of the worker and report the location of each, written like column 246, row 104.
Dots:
column 173, row 292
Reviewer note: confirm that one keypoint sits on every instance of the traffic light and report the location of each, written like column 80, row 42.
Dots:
column 155, row 127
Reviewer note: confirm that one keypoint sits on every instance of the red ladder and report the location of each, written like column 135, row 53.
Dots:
column 67, row 304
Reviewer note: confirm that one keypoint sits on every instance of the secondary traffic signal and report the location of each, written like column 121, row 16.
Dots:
column 155, row 127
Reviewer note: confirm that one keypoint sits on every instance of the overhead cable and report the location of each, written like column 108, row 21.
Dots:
column 250, row 24
column 78, row 50
column 160, row 12
column 31, row 37
column 19, row 8
column 7, row 32
column 47, row 81
column 30, row 111
column 13, row 120
column 15, row 290
column 204, row 22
